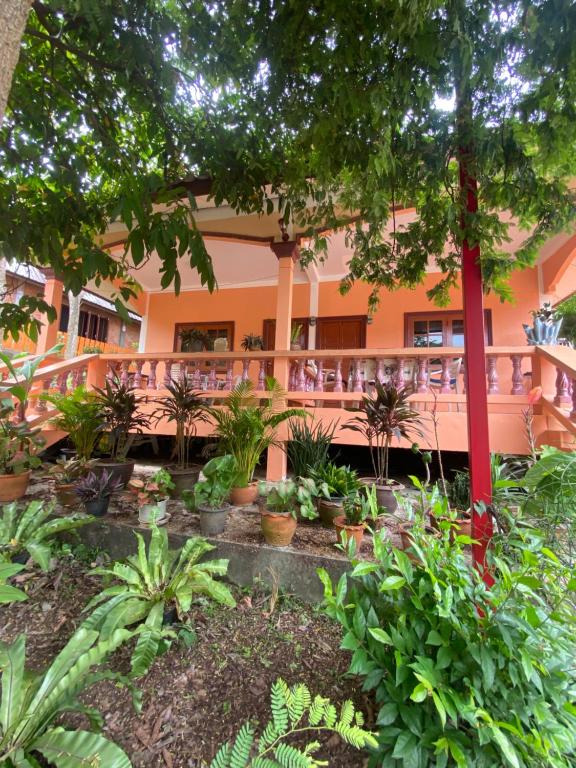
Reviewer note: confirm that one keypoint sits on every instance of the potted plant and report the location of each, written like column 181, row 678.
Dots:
column 386, row 416
column 152, row 495
column 295, row 337
column 284, row 501
column 335, row 484
column 95, row 490
column 308, row 447
column 546, row 325
column 80, row 415
column 194, row 340
column 210, row 495
column 185, row 408
column 19, row 443
column 120, row 410
column 358, row 508
column 251, row 342
column 66, row 472
column 247, row 426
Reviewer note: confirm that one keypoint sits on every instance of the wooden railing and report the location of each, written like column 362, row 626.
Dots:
column 328, row 372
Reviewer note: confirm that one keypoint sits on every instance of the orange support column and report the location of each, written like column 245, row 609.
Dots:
column 53, row 291
column 287, row 254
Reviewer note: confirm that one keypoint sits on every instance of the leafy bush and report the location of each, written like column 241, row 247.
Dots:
column 361, row 506
column 28, row 529
column 120, row 409
column 219, row 476
column 8, row 593
column 338, row 482
column 308, row 447
column 150, row 583
column 80, row 415
column 293, row 711
column 32, row 701
column 290, row 497
column 248, row 424
column 185, row 408
column 154, row 488
column 95, row 487
column 463, row 675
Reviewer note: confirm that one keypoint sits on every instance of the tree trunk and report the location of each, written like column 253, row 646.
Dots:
column 13, row 15
column 73, row 321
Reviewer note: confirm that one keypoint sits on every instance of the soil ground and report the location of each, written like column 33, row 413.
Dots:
column 195, row 697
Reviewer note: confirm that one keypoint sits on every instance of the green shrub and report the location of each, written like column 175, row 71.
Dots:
column 151, row 582
column 28, row 529
column 463, row 675
column 308, row 447
column 293, row 711
column 337, row 482
column 31, row 702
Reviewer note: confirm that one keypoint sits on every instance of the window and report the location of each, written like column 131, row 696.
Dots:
column 212, row 331
column 440, row 329
column 93, row 326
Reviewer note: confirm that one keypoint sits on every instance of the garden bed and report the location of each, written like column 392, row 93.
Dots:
column 195, row 698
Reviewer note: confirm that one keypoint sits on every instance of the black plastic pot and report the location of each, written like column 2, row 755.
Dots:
column 170, row 616
column 21, row 558
column 121, row 470
column 97, row 507
column 183, row 479
column 212, row 521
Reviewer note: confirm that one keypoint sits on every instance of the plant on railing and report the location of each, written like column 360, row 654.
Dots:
column 308, row 447
column 463, row 675
column 32, row 702
column 546, row 324
column 251, row 342
column 294, row 711
column 186, row 409
column 120, row 409
column 385, row 417
column 28, row 531
column 194, row 340
column 153, row 584
column 248, row 424
column 8, row 593
column 80, row 415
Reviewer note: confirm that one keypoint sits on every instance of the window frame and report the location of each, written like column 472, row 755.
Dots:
column 446, row 315
column 205, row 326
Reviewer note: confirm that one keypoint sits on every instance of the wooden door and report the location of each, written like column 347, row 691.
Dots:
column 341, row 332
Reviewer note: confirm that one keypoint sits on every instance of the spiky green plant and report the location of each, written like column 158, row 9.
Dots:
column 248, row 423
column 309, row 446
column 8, row 593
column 31, row 702
column 386, row 416
column 151, row 582
column 29, row 529
column 185, row 408
column 293, row 711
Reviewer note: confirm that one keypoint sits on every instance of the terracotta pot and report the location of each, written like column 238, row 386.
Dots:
column 461, row 526
column 121, row 470
column 385, row 492
column 329, row 509
column 405, row 531
column 183, row 479
column 13, row 487
column 355, row 532
column 278, row 530
column 212, row 521
column 65, row 494
column 240, row 497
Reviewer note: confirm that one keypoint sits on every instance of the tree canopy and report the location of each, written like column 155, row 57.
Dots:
column 357, row 108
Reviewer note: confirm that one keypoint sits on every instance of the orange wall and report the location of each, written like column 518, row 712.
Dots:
column 249, row 307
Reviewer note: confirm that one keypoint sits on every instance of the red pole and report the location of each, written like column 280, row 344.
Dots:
column 475, row 378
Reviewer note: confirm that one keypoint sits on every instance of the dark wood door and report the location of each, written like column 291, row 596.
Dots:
column 269, row 332
column 341, row 332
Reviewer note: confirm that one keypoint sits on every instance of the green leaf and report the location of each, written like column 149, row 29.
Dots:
column 392, row 582
column 71, row 749
column 380, row 635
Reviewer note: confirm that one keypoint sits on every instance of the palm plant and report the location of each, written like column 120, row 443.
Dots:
column 248, row 424
column 80, row 414
column 31, row 702
column 308, row 447
column 120, row 406
column 385, row 417
column 150, row 583
column 29, row 530
column 185, row 408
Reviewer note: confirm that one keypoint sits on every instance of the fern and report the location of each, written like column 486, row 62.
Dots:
column 289, row 707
